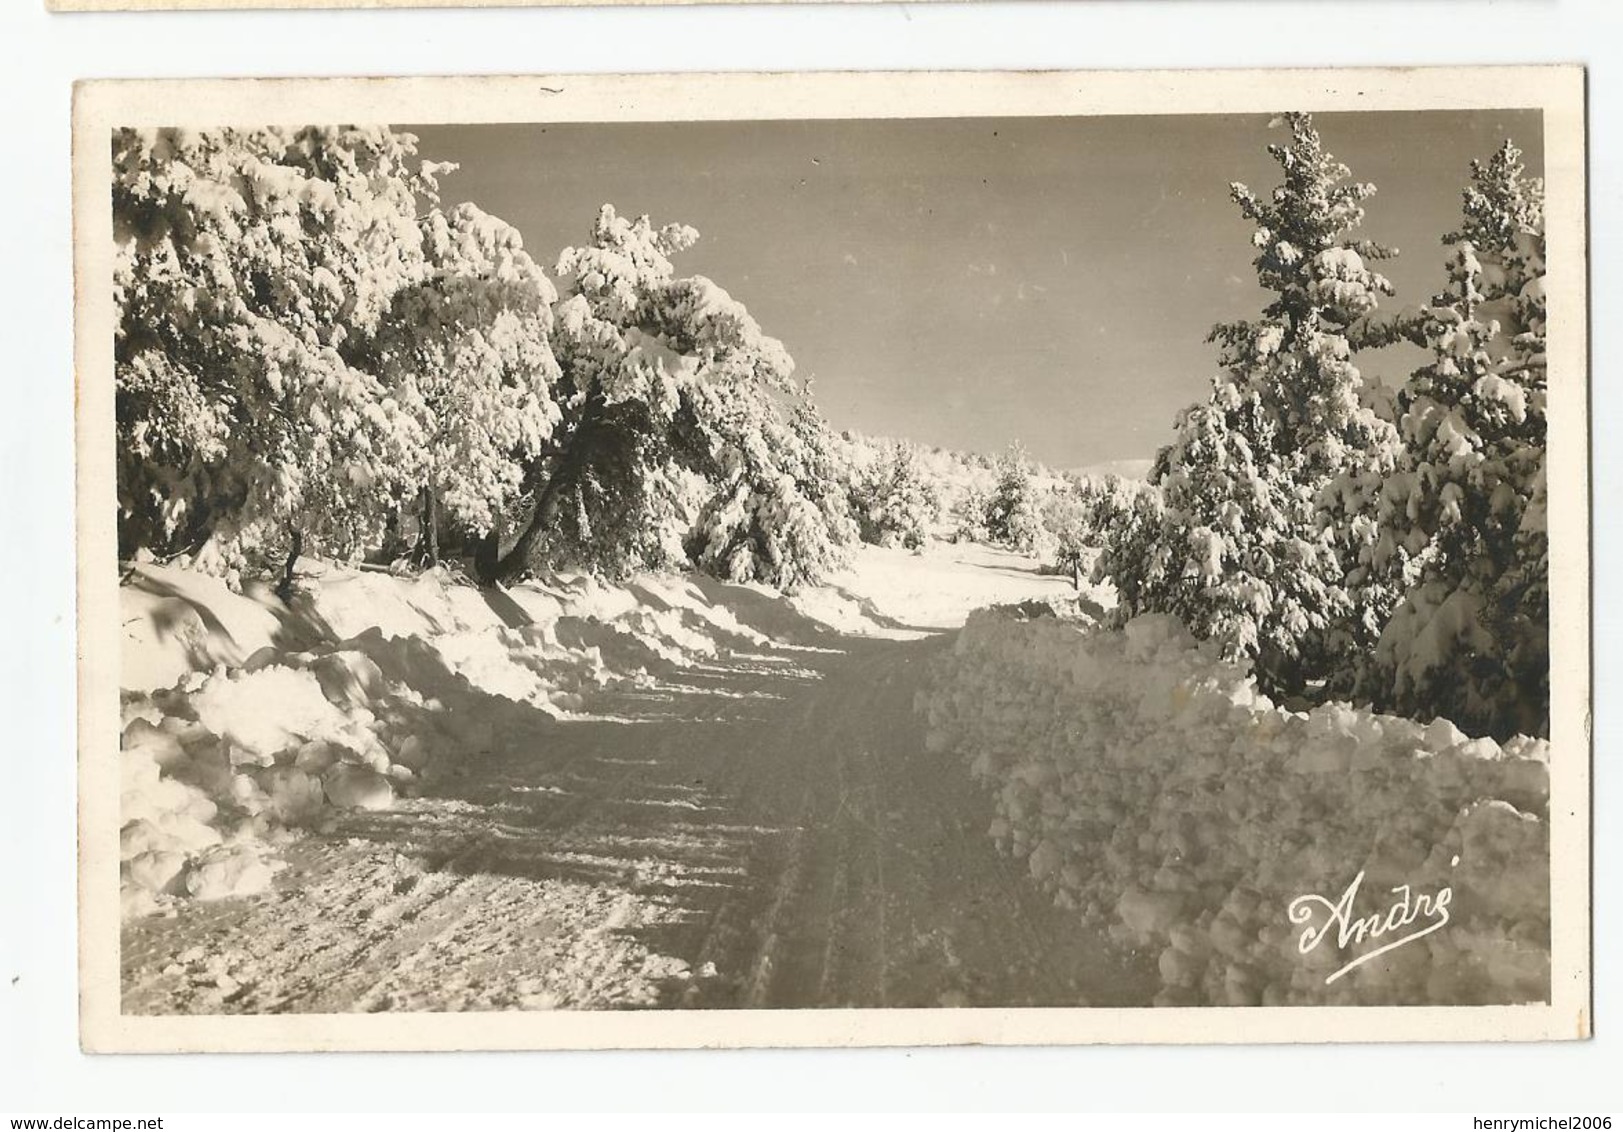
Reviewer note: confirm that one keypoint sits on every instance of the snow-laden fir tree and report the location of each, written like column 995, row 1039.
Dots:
column 250, row 268
column 1014, row 510
column 466, row 352
column 1123, row 521
column 1067, row 517
column 1241, row 539
column 968, row 512
column 1462, row 518
column 779, row 516
column 894, row 498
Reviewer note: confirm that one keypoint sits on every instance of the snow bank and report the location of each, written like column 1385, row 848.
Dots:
column 1148, row 785
column 221, row 769
column 247, row 719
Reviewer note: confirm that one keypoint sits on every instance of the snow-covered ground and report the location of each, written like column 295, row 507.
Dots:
column 1148, row 786
column 403, row 795
column 409, row 794
column 904, row 595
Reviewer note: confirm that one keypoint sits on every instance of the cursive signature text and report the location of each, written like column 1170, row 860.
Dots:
column 1352, row 930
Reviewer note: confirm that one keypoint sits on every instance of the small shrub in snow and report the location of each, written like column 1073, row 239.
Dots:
column 1014, row 510
column 1070, row 520
column 968, row 512
column 893, row 499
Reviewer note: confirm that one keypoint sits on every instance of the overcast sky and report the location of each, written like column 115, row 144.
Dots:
column 969, row 282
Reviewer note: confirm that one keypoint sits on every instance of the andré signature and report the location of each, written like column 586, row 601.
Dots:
column 1406, row 910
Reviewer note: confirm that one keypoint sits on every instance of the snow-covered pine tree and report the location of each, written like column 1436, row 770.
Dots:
column 466, row 351
column 1013, row 513
column 780, row 516
column 1462, row 518
column 250, row 266
column 894, row 499
column 1124, row 521
column 1240, row 539
column 968, row 512
column 1067, row 517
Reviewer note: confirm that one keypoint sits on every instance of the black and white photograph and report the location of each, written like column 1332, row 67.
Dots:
column 979, row 558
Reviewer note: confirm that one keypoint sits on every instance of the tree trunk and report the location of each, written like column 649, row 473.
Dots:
column 428, row 546
column 1280, row 678
column 491, row 564
column 284, row 588
column 1076, row 574
column 486, row 556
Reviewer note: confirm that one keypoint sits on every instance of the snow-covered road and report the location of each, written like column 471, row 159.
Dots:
column 767, row 831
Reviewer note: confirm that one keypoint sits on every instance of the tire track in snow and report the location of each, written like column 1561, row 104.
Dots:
column 788, row 832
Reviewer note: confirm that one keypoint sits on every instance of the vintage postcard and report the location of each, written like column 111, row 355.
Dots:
column 833, row 559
